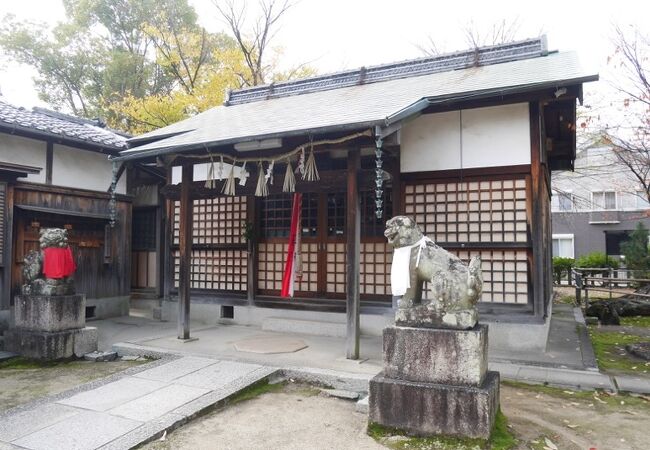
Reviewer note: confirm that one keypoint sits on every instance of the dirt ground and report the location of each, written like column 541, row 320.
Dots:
column 292, row 419
column 22, row 382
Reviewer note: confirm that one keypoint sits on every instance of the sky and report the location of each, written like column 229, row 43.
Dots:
column 333, row 35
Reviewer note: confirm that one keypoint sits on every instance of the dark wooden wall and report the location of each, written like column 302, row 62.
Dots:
column 103, row 254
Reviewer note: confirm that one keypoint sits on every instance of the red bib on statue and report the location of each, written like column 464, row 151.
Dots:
column 58, row 262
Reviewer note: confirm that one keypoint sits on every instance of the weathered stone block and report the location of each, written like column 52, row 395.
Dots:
column 50, row 313
column 85, row 341
column 436, row 355
column 426, row 409
column 40, row 344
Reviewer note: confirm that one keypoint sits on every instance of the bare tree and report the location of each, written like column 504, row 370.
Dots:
column 631, row 138
column 253, row 40
column 500, row 32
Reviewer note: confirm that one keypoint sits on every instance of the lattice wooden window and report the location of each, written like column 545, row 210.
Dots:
column 470, row 212
column 144, row 229
column 216, row 269
column 376, row 258
column 220, row 220
column 336, row 214
column 219, row 260
column 271, row 266
column 336, row 270
column 371, row 226
column 276, row 215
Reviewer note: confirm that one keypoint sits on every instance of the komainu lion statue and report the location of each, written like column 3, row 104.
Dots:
column 454, row 286
column 49, row 271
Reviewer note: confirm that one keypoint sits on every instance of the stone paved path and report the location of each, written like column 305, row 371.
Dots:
column 130, row 409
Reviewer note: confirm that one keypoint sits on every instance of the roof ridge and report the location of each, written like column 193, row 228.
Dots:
column 461, row 59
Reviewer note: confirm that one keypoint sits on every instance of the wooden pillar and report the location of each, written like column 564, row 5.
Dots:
column 537, row 228
column 251, row 276
column 168, row 225
column 185, row 241
column 353, row 242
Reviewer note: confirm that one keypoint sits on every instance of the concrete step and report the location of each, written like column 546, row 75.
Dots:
column 6, row 355
column 301, row 326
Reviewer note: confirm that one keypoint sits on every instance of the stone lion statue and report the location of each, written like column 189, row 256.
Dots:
column 455, row 286
column 49, row 271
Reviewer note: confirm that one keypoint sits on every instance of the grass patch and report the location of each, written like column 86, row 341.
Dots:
column 254, row 391
column 20, row 363
column 500, row 439
column 566, row 299
column 636, row 321
column 609, row 347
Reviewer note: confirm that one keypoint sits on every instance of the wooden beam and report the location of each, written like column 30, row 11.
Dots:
column 353, row 240
column 330, row 181
column 185, row 240
column 49, row 161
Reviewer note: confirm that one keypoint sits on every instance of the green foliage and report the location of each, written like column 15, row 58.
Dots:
column 254, row 391
column 596, row 260
column 562, row 267
column 636, row 251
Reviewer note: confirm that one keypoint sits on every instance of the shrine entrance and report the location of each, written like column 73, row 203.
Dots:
column 323, row 246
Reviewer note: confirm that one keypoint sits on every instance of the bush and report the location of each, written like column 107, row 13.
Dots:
column 596, row 260
column 562, row 266
column 635, row 250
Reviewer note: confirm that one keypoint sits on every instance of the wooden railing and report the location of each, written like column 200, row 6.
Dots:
column 608, row 280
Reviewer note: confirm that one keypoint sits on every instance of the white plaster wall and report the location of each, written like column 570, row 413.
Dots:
column 83, row 169
column 490, row 137
column 25, row 151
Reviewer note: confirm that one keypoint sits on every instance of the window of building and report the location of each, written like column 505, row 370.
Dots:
column 562, row 201
column 603, row 200
column 144, row 229
column 642, row 200
column 563, row 245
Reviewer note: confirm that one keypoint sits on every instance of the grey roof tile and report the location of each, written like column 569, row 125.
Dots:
column 358, row 105
column 63, row 125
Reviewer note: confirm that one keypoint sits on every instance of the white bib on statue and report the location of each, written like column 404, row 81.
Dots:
column 400, row 277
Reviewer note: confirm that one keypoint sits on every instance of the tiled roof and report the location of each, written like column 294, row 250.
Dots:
column 43, row 121
column 482, row 56
column 357, row 106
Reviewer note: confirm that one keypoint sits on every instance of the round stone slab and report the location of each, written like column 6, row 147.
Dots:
column 270, row 344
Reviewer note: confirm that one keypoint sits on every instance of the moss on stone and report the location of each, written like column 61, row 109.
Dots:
column 500, row 438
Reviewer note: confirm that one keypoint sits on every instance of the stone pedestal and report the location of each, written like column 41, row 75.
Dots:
column 435, row 382
column 51, row 327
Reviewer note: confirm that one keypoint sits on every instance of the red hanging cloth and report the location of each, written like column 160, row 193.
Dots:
column 58, row 262
column 291, row 266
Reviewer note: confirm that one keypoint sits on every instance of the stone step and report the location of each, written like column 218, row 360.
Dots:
column 301, row 326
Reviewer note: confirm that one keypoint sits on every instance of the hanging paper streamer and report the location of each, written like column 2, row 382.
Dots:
column 269, row 172
column 220, row 170
column 301, row 163
column 289, row 179
column 262, row 190
column 229, row 185
column 209, row 181
column 243, row 175
column 379, row 180
column 291, row 268
column 311, row 171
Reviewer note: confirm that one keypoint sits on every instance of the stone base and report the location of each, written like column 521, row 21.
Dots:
column 48, row 346
column 50, row 313
column 434, row 355
column 422, row 316
column 428, row 409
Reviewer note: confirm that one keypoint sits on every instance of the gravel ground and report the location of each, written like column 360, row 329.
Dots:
column 297, row 419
